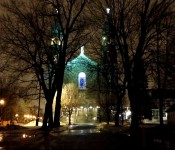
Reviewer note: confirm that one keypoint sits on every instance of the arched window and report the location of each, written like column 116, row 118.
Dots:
column 82, row 80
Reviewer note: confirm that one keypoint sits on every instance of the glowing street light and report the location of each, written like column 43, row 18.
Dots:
column 2, row 102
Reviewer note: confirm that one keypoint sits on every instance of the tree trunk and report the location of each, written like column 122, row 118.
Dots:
column 107, row 113
column 57, row 111
column 70, row 116
column 48, row 114
column 117, row 122
column 48, row 117
column 161, row 111
column 135, row 130
column 60, row 77
column 117, row 114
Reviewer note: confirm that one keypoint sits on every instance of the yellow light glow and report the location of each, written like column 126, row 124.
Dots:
column 24, row 135
column 2, row 102
column 1, row 137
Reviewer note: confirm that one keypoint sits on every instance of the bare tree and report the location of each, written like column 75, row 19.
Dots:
column 111, row 79
column 27, row 27
column 162, row 62
column 134, row 34
column 69, row 99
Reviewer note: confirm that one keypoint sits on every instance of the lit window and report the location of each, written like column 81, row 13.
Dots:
column 82, row 80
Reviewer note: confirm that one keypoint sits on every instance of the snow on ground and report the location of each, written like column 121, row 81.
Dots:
column 32, row 123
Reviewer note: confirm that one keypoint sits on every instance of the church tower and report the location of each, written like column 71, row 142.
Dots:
column 108, row 46
column 109, row 57
column 56, row 36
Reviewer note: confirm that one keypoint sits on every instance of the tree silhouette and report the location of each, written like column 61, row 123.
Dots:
column 29, row 42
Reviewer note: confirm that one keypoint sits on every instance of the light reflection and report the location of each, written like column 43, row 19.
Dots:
column 27, row 136
column 24, row 136
column 84, row 131
column 1, row 137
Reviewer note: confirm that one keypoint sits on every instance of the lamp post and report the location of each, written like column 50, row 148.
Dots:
column 2, row 102
column 38, row 115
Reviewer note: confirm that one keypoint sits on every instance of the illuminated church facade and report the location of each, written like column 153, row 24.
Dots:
column 79, row 93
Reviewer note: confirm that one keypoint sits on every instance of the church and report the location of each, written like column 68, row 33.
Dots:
column 79, row 94
column 88, row 94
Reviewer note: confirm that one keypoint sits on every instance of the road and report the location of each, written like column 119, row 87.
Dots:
column 76, row 137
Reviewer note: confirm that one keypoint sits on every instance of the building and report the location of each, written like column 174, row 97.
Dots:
column 79, row 93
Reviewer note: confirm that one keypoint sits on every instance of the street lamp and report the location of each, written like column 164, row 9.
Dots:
column 39, row 101
column 2, row 102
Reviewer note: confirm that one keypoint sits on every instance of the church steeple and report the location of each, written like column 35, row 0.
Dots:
column 56, row 33
column 56, row 39
column 108, row 46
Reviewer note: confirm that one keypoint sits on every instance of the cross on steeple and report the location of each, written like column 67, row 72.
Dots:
column 82, row 50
